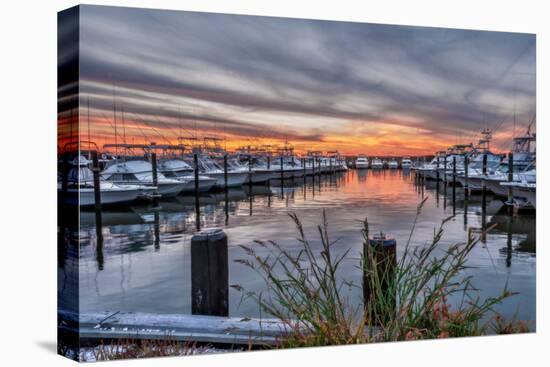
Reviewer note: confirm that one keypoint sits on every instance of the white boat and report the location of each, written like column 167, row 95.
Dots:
column 362, row 162
column 140, row 172
column 393, row 164
column 406, row 163
column 80, row 188
column 180, row 170
column 376, row 163
column 525, row 194
column 235, row 177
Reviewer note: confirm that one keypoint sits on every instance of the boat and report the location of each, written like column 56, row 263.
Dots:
column 376, row 163
column 362, row 162
column 524, row 194
column 211, row 168
column 80, row 188
column 406, row 163
column 140, row 172
column 180, row 170
column 392, row 164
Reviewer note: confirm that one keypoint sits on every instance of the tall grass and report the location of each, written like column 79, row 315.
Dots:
column 408, row 295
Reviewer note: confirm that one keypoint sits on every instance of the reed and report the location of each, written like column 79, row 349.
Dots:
column 409, row 300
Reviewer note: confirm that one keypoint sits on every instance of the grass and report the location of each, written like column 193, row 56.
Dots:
column 405, row 298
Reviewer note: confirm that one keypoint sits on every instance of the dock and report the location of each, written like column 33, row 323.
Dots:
column 176, row 327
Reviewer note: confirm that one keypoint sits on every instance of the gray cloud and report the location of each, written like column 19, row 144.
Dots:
column 243, row 72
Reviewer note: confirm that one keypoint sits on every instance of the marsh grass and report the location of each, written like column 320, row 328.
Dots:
column 408, row 300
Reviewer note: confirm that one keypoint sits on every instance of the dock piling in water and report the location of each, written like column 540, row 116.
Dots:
column 197, row 202
column 510, row 179
column 209, row 273
column 155, row 174
column 97, row 206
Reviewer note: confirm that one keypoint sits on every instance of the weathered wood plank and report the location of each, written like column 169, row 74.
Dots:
column 196, row 328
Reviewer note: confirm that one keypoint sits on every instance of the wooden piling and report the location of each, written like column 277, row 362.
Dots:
column 379, row 265
column 226, row 189
column 97, row 200
column 250, row 172
column 282, row 170
column 466, row 173
column 510, row 178
column 155, row 175
column 209, row 273
column 437, row 170
column 197, row 202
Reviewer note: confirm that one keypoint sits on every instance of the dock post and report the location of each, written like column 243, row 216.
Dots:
column 304, row 166
column 65, row 176
column 197, row 203
column 282, row 170
column 155, row 175
column 445, row 169
column 268, row 162
column 225, row 189
column 209, row 273
column 437, row 170
column 510, row 179
column 379, row 265
column 250, row 172
column 97, row 208
column 466, row 174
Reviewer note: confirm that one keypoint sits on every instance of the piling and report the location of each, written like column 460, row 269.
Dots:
column 466, row 159
column 197, row 203
column 379, row 265
column 282, row 170
column 226, row 189
column 209, row 273
column 445, row 169
column 268, row 162
column 65, row 175
column 250, row 172
column 97, row 207
column 510, row 178
column 437, row 170
column 304, row 166
column 155, row 175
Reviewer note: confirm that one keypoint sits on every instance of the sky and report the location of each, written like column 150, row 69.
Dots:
column 171, row 76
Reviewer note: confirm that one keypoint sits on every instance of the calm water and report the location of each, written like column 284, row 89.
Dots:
column 146, row 264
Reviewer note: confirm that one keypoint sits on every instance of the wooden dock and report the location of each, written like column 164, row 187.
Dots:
column 195, row 328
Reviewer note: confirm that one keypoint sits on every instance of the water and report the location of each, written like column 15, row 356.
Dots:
column 145, row 264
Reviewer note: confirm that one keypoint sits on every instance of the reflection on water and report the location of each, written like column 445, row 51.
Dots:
column 144, row 263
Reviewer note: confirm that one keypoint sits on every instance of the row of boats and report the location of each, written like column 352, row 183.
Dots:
column 363, row 162
column 477, row 168
column 131, row 177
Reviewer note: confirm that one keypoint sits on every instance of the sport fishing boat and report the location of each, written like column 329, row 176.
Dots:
column 256, row 167
column 80, row 188
column 393, row 164
column 524, row 194
column 406, row 163
column 140, row 172
column 377, row 164
column 211, row 168
column 180, row 170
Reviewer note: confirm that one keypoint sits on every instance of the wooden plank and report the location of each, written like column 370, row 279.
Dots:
column 196, row 328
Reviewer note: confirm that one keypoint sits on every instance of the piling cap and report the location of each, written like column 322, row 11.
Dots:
column 209, row 233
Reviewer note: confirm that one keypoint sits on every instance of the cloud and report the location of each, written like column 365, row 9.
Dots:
column 303, row 79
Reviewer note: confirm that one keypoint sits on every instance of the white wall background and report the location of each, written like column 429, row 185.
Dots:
column 28, row 179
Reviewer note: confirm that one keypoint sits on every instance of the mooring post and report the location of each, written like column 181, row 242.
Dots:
column 466, row 174
column 445, row 169
column 268, row 162
column 225, row 189
column 304, row 166
column 509, row 223
column 282, row 170
column 209, row 273
column 197, row 202
column 65, row 175
column 97, row 200
column 155, row 175
column 250, row 171
column 437, row 169
column 510, row 179
column 156, row 230
column 379, row 265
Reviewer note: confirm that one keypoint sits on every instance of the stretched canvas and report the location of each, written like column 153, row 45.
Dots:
column 229, row 183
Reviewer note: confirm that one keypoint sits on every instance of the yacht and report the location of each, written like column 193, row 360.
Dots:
column 180, row 170
column 362, row 162
column 406, row 163
column 80, row 187
column 236, row 176
column 393, row 164
column 377, row 164
column 140, row 172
